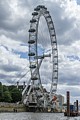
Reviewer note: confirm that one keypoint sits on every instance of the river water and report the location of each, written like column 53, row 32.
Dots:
column 35, row 116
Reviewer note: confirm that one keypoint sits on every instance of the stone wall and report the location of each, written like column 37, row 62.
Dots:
column 12, row 107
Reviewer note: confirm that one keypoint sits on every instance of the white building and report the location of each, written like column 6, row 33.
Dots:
column 59, row 102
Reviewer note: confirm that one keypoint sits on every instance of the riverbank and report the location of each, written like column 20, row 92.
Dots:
column 12, row 107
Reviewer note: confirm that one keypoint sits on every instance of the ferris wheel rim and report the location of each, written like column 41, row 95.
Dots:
column 33, row 35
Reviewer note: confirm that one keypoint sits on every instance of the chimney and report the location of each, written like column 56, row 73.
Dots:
column 24, row 85
column 77, row 106
column 68, row 103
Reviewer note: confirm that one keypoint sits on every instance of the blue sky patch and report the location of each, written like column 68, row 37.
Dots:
column 73, row 57
column 22, row 44
column 22, row 54
column 78, row 2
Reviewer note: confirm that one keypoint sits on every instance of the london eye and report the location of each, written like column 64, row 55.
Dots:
column 39, row 52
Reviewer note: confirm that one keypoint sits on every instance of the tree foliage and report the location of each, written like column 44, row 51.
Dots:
column 0, row 89
column 16, row 95
column 9, row 94
column 5, row 88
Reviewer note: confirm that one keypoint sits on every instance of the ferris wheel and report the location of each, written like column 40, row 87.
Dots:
column 36, row 57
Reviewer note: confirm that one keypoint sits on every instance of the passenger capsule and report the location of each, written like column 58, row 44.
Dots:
column 35, row 13
column 53, row 41
column 51, row 28
column 32, row 66
column 55, row 84
column 42, row 6
column 55, row 56
column 37, row 9
column 53, row 35
column 55, row 49
column 50, row 22
column 31, row 41
column 55, row 77
column 54, row 90
column 33, row 21
column 31, row 54
column 34, row 78
column 56, row 63
column 55, row 70
column 32, row 30
column 46, row 12
column 48, row 16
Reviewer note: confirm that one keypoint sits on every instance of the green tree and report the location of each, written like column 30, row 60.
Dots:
column 16, row 95
column 1, row 92
column 7, row 96
column 5, row 88
column 11, row 87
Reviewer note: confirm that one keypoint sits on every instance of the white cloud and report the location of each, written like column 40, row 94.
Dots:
column 14, row 26
column 12, row 44
column 74, row 91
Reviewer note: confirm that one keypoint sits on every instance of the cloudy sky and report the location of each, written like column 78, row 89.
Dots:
column 15, row 16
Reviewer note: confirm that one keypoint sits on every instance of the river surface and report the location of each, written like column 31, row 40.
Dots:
column 35, row 116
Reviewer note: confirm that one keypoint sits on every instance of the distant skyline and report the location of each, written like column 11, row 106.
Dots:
column 15, row 16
